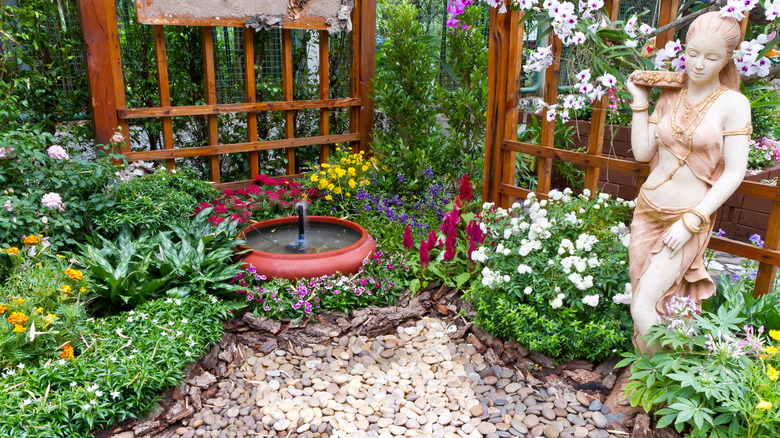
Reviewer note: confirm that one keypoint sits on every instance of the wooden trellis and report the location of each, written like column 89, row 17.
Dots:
column 107, row 89
column 504, row 72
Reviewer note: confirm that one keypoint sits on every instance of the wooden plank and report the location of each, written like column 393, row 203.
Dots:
column 581, row 158
column 667, row 12
column 165, row 95
column 746, row 250
column 551, row 76
column 511, row 101
column 198, row 151
column 765, row 280
column 251, row 96
column 354, row 70
column 518, row 192
column 211, row 99
column 598, row 119
column 498, row 58
column 97, row 19
column 324, row 91
column 242, row 185
column 367, row 57
column 287, row 95
column 229, row 108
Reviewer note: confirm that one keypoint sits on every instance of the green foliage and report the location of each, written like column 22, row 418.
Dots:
column 466, row 105
column 45, row 292
column 193, row 258
column 763, row 311
column 555, row 275
column 764, row 100
column 405, row 90
column 121, row 365
column 713, row 379
column 28, row 172
column 154, row 202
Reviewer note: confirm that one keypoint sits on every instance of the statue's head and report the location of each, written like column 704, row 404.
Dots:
column 711, row 33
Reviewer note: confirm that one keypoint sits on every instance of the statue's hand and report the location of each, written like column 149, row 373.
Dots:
column 676, row 237
column 639, row 94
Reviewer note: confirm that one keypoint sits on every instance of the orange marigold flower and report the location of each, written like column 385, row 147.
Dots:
column 40, row 310
column 65, row 288
column 17, row 318
column 3, row 309
column 67, row 352
column 19, row 301
column 12, row 250
column 32, row 240
column 74, row 274
column 18, row 328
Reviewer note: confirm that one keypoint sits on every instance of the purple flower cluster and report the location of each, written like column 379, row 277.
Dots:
column 396, row 208
column 455, row 8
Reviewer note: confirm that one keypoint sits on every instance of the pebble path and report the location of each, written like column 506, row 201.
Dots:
column 416, row 383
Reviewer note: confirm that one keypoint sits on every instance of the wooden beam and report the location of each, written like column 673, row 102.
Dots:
column 580, row 158
column 211, row 99
column 667, row 12
column 229, row 108
column 511, row 101
column 765, row 280
column 498, row 59
column 215, row 150
column 354, row 70
column 552, row 75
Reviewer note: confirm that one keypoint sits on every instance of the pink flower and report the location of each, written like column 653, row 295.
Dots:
column 117, row 138
column 6, row 152
column 465, row 190
column 425, row 258
column 408, row 242
column 8, row 205
column 57, row 152
column 52, row 200
column 431, row 240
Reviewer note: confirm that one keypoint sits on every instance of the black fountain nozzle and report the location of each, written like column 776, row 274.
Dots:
column 301, row 245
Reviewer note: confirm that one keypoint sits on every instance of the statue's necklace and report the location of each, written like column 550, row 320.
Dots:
column 678, row 132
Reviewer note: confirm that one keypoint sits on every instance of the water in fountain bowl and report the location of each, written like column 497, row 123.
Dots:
column 320, row 237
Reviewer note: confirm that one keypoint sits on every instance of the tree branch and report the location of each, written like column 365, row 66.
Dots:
column 774, row 71
column 680, row 22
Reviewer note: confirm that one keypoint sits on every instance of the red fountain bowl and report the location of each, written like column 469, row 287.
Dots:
column 292, row 266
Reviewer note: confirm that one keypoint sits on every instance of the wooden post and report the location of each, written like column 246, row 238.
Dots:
column 250, row 89
column 211, row 99
column 666, row 14
column 287, row 95
column 498, row 62
column 551, row 77
column 324, row 90
column 354, row 71
column 367, row 56
column 104, row 68
column 598, row 120
column 765, row 280
column 165, row 94
column 511, row 102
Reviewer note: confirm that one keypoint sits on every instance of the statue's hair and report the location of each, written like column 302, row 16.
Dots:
column 726, row 29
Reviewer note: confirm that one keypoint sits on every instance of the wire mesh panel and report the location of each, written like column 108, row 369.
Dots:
column 635, row 7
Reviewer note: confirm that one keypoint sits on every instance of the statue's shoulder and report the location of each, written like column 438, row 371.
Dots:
column 734, row 97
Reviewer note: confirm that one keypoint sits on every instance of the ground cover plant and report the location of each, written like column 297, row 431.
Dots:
column 554, row 275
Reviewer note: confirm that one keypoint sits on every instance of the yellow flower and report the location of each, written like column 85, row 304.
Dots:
column 364, row 168
column 764, row 406
column 338, row 149
column 328, row 198
column 65, row 288
column 772, row 373
column 12, row 250
column 19, row 301
column 315, row 177
column 770, row 350
column 337, row 190
column 17, row 318
column 324, row 165
column 351, row 171
column 331, row 186
column 83, row 289
column 49, row 319
column 39, row 310
column 74, row 274
column 3, row 309
column 348, row 195
column 60, row 256
column 18, row 328
column 32, row 240
column 774, row 334
column 352, row 183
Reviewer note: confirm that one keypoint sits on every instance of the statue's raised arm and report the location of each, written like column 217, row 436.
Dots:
column 696, row 141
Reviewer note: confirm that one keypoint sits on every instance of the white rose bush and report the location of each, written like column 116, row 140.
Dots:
column 554, row 274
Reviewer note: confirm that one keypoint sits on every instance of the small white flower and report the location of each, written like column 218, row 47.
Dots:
column 72, row 384
column 591, row 300
column 99, row 393
column 92, row 388
column 114, row 394
column 528, row 290
column 20, row 366
column 26, row 402
column 61, row 362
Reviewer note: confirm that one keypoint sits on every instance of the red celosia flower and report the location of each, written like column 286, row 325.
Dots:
column 465, row 188
column 449, row 253
column 431, row 240
column 425, row 258
column 408, row 242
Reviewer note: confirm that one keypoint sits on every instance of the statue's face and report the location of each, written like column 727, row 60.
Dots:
column 705, row 57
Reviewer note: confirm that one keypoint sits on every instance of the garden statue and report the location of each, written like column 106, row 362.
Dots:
column 696, row 142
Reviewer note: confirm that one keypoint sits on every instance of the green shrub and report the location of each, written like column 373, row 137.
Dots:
column 45, row 191
column 555, row 275
column 120, row 366
column 154, row 202
column 404, row 89
column 197, row 257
